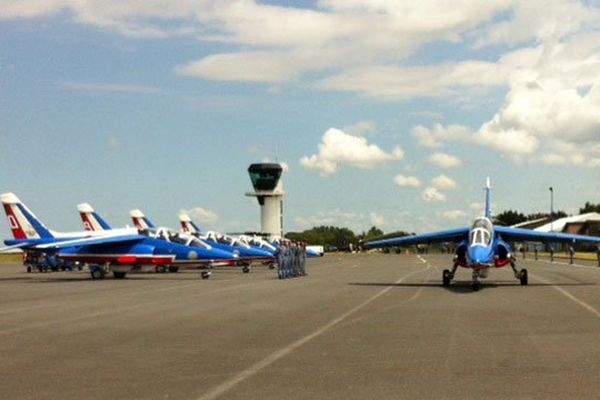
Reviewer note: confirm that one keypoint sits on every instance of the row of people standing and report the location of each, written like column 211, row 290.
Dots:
column 291, row 259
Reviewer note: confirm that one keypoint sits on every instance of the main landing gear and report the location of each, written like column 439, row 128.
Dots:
column 97, row 271
column 205, row 274
column 448, row 275
column 520, row 275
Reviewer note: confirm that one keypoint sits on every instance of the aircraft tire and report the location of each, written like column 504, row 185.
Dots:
column 476, row 286
column 161, row 269
column 29, row 269
column 524, row 278
column 246, row 270
column 446, row 277
column 119, row 275
column 205, row 274
column 97, row 273
column 271, row 266
column 173, row 269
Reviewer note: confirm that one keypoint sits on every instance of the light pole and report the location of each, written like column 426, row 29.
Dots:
column 551, row 207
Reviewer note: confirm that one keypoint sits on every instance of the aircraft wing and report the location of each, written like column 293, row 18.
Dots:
column 14, row 247
column 451, row 235
column 92, row 241
column 516, row 234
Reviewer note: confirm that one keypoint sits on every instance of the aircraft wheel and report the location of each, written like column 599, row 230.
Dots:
column 524, row 278
column 29, row 269
column 271, row 266
column 476, row 286
column 246, row 270
column 446, row 277
column 97, row 273
column 119, row 275
column 206, row 274
column 40, row 269
column 173, row 269
column 160, row 269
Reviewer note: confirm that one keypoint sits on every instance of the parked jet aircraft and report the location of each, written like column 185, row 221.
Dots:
column 119, row 251
column 483, row 245
column 247, row 254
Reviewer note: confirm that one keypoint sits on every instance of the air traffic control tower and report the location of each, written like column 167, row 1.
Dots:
column 268, row 189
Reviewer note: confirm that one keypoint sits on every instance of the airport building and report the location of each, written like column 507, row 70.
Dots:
column 268, row 190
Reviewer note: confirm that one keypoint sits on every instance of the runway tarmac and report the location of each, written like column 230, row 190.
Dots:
column 358, row 327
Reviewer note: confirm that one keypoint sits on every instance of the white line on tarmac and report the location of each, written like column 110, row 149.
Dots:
column 569, row 296
column 257, row 367
column 558, row 263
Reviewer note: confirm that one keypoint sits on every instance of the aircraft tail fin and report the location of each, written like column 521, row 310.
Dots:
column 187, row 225
column 23, row 223
column 139, row 220
column 91, row 220
column 488, row 198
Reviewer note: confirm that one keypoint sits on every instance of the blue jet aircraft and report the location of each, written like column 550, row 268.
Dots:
column 483, row 246
column 247, row 254
column 116, row 252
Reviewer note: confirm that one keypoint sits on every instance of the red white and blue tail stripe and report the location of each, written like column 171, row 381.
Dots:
column 91, row 220
column 140, row 221
column 22, row 222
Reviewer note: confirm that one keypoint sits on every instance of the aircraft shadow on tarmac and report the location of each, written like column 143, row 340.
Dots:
column 466, row 286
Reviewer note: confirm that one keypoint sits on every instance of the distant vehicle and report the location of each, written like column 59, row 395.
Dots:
column 108, row 251
column 316, row 251
column 482, row 246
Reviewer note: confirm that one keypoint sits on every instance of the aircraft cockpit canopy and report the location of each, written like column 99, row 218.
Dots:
column 195, row 242
column 481, row 232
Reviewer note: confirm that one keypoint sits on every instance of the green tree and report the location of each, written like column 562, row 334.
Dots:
column 589, row 207
column 326, row 236
column 370, row 234
column 509, row 217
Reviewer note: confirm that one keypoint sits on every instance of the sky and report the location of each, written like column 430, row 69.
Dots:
column 384, row 113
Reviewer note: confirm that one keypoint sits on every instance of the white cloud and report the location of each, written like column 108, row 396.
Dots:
column 248, row 67
column 402, row 180
column 355, row 221
column 442, row 182
column 444, row 160
column 454, row 214
column 432, row 194
column 114, row 142
column 377, row 219
column 435, row 137
column 338, row 148
column 110, row 87
column 362, row 46
column 201, row 215
column 476, row 206
column 360, row 128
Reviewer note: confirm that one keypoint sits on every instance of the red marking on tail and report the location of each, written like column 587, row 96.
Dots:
column 137, row 222
column 87, row 224
column 13, row 222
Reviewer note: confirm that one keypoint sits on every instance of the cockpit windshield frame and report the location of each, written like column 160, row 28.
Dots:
column 481, row 232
